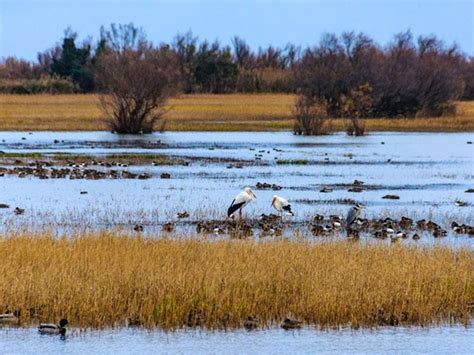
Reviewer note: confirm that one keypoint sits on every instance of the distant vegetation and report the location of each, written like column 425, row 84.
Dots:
column 348, row 76
column 203, row 112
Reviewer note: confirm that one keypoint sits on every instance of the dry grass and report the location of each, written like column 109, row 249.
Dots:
column 101, row 280
column 252, row 112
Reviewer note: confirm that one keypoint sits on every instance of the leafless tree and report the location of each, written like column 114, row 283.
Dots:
column 136, row 79
column 356, row 107
column 311, row 116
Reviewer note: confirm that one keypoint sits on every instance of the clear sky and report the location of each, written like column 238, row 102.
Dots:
column 30, row 26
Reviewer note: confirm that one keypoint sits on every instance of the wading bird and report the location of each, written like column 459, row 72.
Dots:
column 281, row 205
column 353, row 214
column 53, row 329
column 240, row 201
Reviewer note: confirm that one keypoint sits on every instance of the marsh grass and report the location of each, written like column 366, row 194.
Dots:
column 103, row 279
column 156, row 159
column 235, row 112
column 292, row 162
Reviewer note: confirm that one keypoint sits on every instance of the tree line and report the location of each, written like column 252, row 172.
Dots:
column 347, row 76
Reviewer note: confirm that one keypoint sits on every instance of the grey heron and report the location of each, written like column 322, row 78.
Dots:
column 353, row 214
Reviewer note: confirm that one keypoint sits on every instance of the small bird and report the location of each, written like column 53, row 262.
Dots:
column 353, row 214
column 242, row 199
column 250, row 323
column 281, row 205
column 53, row 329
column 289, row 323
column 10, row 317
column 18, row 211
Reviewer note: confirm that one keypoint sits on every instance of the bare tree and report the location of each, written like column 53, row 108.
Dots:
column 356, row 107
column 136, row 80
column 311, row 117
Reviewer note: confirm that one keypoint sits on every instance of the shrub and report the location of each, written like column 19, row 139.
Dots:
column 356, row 107
column 311, row 116
column 136, row 79
column 44, row 85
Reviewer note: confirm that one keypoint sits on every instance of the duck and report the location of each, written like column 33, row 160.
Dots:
column 289, row 323
column 10, row 317
column 53, row 329
column 19, row 211
column 250, row 323
column 168, row 227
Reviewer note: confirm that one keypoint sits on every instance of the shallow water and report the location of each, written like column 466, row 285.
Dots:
column 429, row 171
column 440, row 340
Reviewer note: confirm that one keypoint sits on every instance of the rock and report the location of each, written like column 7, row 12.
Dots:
column 470, row 191
column 391, row 197
column 326, row 189
column 355, row 189
column 83, row 192
column 165, row 176
column 4, row 205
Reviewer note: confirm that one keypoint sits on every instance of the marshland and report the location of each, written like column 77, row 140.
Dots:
column 157, row 250
column 285, row 191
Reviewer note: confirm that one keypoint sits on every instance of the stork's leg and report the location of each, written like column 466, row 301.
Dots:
column 240, row 213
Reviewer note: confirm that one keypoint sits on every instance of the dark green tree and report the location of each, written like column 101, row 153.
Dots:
column 74, row 62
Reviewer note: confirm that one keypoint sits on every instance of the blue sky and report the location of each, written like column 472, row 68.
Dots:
column 30, row 26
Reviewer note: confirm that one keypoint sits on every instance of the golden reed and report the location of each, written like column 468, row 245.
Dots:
column 104, row 280
column 234, row 112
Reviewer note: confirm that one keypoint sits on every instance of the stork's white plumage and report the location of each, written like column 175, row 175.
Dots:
column 242, row 199
column 281, row 205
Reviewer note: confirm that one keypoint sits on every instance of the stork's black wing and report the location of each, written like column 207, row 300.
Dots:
column 234, row 207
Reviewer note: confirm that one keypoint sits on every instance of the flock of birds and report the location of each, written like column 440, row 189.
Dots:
column 246, row 196
column 44, row 328
column 354, row 224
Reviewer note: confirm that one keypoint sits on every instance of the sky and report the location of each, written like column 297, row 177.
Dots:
column 31, row 26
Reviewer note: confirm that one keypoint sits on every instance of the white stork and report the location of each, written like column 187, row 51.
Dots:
column 240, row 201
column 281, row 205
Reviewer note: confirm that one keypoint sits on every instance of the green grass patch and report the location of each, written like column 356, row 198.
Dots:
column 292, row 162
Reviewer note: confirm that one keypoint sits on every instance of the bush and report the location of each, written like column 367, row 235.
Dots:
column 44, row 85
column 310, row 116
column 136, row 80
column 356, row 107
column 406, row 79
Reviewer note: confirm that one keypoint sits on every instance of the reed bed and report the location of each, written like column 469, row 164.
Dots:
column 101, row 280
column 235, row 112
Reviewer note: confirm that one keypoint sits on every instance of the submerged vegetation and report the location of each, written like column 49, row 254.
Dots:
column 105, row 280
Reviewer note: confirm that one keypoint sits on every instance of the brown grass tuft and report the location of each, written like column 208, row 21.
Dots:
column 101, row 280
